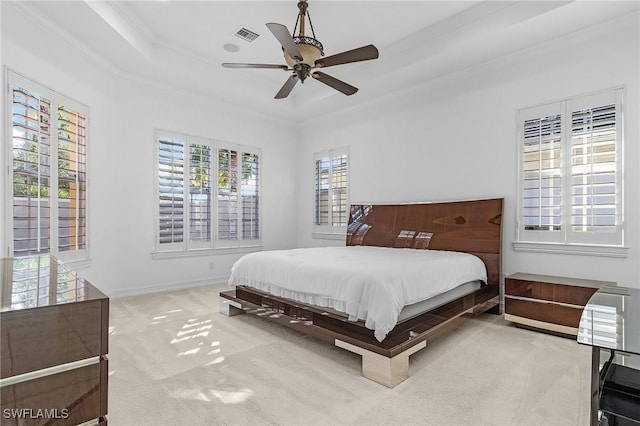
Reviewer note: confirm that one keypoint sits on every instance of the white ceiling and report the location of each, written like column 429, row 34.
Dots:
column 180, row 43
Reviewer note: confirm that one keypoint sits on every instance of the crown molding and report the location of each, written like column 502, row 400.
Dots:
column 29, row 11
column 36, row 16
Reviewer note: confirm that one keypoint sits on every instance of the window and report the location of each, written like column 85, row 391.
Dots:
column 570, row 156
column 194, row 209
column 31, row 281
column 331, row 198
column 49, row 171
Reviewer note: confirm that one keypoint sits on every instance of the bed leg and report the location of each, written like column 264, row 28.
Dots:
column 230, row 308
column 381, row 369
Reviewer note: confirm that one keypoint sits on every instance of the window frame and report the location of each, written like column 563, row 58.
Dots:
column 330, row 231
column 186, row 247
column 79, row 257
column 565, row 240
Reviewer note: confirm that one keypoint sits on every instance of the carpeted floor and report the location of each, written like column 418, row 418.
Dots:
column 174, row 360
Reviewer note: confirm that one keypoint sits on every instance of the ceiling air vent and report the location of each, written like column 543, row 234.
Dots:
column 246, row 34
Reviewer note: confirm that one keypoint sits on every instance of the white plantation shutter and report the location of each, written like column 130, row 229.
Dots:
column 331, row 198
column 322, row 184
column 227, row 195
column 250, row 196
column 200, row 202
column 31, row 116
column 72, row 178
column 238, row 196
column 49, row 171
column 593, row 170
column 542, row 173
column 571, row 171
column 340, row 206
column 208, row 196
column 171, row 189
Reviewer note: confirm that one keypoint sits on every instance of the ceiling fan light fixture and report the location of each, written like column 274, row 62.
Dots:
column 304, row 56
column 310, row 49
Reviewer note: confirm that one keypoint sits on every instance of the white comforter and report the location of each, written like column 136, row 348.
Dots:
column 368, row 283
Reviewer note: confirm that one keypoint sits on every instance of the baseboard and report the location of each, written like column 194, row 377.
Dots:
column 161, row 288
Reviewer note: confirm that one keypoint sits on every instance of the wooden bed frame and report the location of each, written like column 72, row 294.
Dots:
column 467, row 226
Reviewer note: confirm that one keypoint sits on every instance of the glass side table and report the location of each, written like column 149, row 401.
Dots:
column 610, row 324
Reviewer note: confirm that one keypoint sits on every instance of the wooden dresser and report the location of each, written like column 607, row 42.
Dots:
column 55, row 338
column 548, row 303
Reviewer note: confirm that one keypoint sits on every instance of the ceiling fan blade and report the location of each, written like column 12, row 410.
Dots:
column 339, row 85
column 287, row 87
column 364, row 53
column 286, row 40
column 269, row 66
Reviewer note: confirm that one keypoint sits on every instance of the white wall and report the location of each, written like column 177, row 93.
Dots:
column 123, row 114
column 143, row 107
column 455, row 138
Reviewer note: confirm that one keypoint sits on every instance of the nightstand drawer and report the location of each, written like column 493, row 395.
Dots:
column 548, row 303
column 572, row 295
column 544, row 311
column 550, row 291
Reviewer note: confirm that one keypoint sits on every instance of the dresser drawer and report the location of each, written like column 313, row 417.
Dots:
column 70, row 397
column 543, row 311
column 65, row 333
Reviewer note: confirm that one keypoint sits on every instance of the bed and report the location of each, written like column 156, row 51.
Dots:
column 407, row 273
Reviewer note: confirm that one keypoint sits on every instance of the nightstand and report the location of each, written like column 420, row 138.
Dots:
column 548, row 303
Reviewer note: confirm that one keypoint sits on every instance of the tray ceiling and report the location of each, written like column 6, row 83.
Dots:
column 182, row 43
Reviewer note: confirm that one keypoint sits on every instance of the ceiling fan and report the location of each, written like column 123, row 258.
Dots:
column 305, row 56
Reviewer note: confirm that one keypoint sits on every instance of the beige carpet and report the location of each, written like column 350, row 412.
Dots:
column 174, row 360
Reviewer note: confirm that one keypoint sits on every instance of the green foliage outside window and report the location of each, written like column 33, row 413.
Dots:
column 200, row 165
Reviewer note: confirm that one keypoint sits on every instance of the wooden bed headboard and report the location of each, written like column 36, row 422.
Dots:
column 469, row 226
